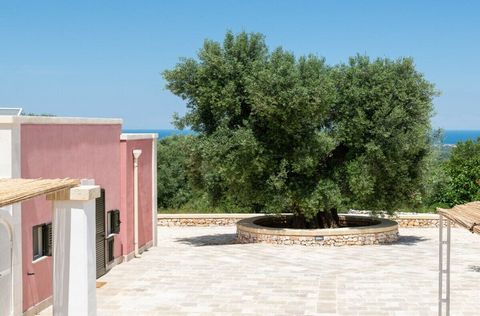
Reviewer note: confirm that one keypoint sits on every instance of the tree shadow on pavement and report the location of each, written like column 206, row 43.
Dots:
column 474, row 268
column 410, row 240
column 209, row 240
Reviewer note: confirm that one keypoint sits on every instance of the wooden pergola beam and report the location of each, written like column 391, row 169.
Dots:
column 17, row 190
column 465, row 215
column 74, row 270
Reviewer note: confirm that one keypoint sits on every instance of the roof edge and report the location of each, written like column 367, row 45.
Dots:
column 58, row 120
column 138, row 136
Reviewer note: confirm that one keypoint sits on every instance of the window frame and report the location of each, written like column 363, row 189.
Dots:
column 37, row 231
column 42, row 241
column 110, row 223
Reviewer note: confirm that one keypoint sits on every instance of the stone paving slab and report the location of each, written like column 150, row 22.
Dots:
column 200, row 271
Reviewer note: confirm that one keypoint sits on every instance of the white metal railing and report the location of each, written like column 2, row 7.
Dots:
column 444, row 268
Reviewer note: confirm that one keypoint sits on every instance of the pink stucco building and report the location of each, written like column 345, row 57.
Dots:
column 83, row 148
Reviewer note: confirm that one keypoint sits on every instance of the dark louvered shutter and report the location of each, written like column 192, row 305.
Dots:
column 100, row 234
column 47, row 239
column 115, row 222
column 111, row 242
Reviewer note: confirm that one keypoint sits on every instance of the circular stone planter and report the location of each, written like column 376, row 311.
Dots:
column 364, row 230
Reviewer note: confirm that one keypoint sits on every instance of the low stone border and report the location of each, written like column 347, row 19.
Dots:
column 386, row 231
column 201, row 219
column 403, row 220
column 418, row 220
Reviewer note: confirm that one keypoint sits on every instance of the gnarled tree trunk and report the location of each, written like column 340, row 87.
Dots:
column 324, row 219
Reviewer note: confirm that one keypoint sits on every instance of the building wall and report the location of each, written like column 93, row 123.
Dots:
column 11, row 215
column 59, row 151
column 145, row 180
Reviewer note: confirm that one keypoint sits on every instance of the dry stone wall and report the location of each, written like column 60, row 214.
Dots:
column 403, row 220
column 337, row 241
column 370, row 232
column 200, row 219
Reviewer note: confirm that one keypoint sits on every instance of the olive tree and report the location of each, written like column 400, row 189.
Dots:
column 279, row 133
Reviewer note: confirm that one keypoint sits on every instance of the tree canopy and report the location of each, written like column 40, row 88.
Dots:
column 277, row 133
column 463, row 174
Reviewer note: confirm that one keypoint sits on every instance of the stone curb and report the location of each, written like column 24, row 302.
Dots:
column 386, row 231
column 249, row 225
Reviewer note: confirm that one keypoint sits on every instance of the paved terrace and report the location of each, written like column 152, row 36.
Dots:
column 199, row 271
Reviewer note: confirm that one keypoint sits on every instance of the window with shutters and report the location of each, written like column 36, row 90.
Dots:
column 42, row 241
column 113, row 222
column 110, row 248
column 37, row 238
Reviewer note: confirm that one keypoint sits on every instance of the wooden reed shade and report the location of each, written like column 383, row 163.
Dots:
column 466, row 215
column 18, row 190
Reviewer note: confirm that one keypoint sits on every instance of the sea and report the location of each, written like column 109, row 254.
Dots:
column 162, row 133
column 450, row 137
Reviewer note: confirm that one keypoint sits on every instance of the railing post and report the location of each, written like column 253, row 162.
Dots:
column 440, row 264
column 447, row 294
column 444, row 269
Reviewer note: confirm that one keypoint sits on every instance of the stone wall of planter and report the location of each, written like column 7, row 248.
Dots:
column 340, row 240
column 383, row 232
column 403, row 220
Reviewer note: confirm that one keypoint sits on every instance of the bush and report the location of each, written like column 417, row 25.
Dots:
column 434, row 179
column 174, row 189
column 183, row 186
column 463, row 172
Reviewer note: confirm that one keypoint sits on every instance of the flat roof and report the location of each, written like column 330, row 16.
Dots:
column 138, row 136
column 10, row 111
column 25, row 119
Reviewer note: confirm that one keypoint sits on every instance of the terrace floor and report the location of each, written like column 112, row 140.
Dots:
column 199, row 271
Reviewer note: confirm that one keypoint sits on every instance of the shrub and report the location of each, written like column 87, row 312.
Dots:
column 174, row 189
column 463, row 172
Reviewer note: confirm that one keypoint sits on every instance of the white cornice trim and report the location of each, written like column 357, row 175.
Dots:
column 58, row 120
column 139, row 136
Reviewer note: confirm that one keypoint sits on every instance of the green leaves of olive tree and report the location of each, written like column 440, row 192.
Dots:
column 279, row 133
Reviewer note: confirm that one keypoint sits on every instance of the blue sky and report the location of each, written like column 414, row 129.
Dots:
column 104, row 58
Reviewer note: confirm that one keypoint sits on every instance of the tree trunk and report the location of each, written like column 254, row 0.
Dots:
column 335, row 218
column 299, row 221
column 325, row 219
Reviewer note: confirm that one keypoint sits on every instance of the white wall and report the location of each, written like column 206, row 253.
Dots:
column 74, row 264
column 6, row 281
column 10, row 150
column 10, row 168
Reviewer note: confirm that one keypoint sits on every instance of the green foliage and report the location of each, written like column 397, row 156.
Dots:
column 382, row 124
column 215, row 85
column 173, row 186
column 284, row 134
column 463, row 172
column 435, row 177
column 181, row 185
